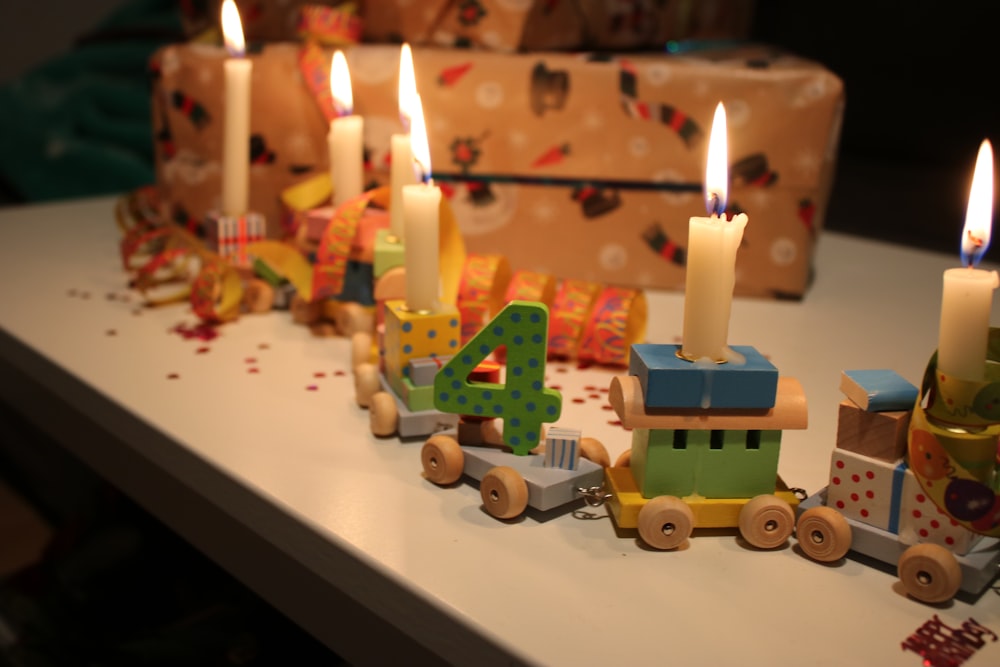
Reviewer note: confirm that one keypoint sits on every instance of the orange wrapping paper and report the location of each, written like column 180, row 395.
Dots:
column 580, row 167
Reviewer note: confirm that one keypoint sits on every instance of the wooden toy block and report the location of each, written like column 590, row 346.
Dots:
column 523, row 402
column 748, row 380
column 790, row 410
column 423, row 369
column 881, row 435
column 389, row 252
column 410, row 335
column 417, row 397
column 562, row 448
column 920, row 520
column 420, row 423
column 626, row 501
column 878, row 390
column 548, row 488
column 713, row 464
column 866, row 489
column 315, row 222
column 229, row 235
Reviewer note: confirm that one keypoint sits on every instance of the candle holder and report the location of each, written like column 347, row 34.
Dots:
column 952, row 443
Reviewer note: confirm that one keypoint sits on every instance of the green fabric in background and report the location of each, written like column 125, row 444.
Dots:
column 80, row 124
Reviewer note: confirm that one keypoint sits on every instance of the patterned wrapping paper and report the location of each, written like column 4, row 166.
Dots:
column 584, row 167
column 501, row 25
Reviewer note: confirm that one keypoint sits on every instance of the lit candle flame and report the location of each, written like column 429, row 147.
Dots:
column 979, row 214
column 407, row 86
column 340, row 85
column 717, row 169
column 419, row 144
column 232, row 29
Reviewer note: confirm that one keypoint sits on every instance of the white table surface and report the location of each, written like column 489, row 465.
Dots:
column 286, row 488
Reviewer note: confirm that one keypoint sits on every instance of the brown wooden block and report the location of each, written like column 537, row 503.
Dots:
column 880, row 435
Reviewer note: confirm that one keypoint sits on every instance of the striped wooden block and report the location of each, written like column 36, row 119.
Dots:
column 562, row 448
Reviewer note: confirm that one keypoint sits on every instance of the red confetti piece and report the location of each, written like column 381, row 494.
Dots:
column 111, row 332
column 311, row 387
column 172, row 376
column 604, row 390
column 201, row 331
column 319, row 375
column 250, row 360
column 253, row 370
column 606, row 407
column 594, row 396
column 557, row 387
column 561, row 369
column 584, row 365
column 339, row 373
column 263, row 346
column 579, row 400
column 202, row 350
column 590, row 387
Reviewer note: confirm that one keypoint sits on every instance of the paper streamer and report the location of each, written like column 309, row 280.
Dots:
column 570, row 308
column 216, row 292
column 617, row 321
column 287, row 262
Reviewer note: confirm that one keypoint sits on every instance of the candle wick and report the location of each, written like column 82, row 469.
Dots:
column 716, row 205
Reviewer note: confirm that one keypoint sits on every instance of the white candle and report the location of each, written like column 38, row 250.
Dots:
column 401, row 162
column 421, row 204
column 711, row 258
column 967, row 296
column 345, row 140
column 236, row 126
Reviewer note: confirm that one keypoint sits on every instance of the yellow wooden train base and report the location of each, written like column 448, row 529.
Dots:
column 626, row 501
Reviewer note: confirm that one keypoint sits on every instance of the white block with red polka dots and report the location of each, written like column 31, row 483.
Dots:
column 920, row 520
column 861, row 488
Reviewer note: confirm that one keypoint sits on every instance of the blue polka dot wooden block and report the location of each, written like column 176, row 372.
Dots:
column 748, row 380
column 410, row 335
column 522, row 402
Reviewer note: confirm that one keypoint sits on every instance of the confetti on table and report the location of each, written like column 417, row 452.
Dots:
column 253, row 370
column 172, row 376
column 202, row 350
column 311, row 387
column 111, row 332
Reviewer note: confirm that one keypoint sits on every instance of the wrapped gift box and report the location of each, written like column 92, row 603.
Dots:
column 581, row 166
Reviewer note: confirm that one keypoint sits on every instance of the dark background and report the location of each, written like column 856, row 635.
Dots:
column 920, row 78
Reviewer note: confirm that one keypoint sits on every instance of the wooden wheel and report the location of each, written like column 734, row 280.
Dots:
column 930, row 573
column 361, row 349
column 824, row 534
column 366, row 384
column 352, row 318
column 624, row 459
column 384, row 416
column 766, row 521
column 443, row 459
column 504, row 492
column 258, row 297
column 594, row 450
column 665, row 522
